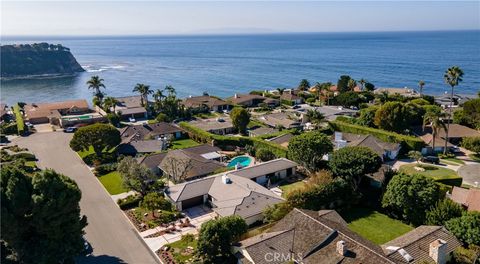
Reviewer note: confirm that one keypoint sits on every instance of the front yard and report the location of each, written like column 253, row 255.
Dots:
column 434, row 172
column 182, row 250
column 374, row 226
column 113, row 183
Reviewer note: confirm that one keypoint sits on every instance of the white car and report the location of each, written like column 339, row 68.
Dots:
column 131, row 119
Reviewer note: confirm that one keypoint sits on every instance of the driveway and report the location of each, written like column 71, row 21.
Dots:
column 110, row 233
column 470, row 174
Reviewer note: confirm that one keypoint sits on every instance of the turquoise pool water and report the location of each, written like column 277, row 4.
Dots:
column 243, row 161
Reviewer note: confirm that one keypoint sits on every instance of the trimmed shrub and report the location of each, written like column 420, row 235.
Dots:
column 286, row 102
column 9, row 128
column 19, row 119
column 408, row 142
column 105, row 168
column 25, row 155
column 129, row 202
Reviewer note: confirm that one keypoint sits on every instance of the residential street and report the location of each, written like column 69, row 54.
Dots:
column 111, row 235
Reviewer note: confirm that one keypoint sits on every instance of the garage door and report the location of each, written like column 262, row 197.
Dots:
column 192, row 202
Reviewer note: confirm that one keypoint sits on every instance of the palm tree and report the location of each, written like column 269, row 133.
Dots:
column 434, row 119
column 452, row 77
column 351, row 84
column 171, row 91
column 158, row 95
column 315, row 117
column 95, row 83
column 421, row 83
column 362, row 83
column 110, row 102
column 325, row 87
column 304, row 85
column 281, row 90
column 144, row 91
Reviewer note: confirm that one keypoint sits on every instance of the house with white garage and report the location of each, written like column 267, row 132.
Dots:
column 238, row 192
column 227, row 195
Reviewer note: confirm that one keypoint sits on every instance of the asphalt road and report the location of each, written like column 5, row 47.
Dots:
column 110, row 233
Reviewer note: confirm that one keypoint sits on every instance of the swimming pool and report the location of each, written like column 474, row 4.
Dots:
column 243, row 161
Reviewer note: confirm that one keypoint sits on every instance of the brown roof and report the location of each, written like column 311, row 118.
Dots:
column 199, row 166
column 242, row 98
column 314, row 236
column 129, row 101
column 371, row 142
column 282, row 140
column 140, row 132
column 455, row 131
column 280, row 119
column 36, row 110
column 470, row 198
column 290, row 97
column 152, row 161
column 428, row 139
column 207, row 100
column 417, row 244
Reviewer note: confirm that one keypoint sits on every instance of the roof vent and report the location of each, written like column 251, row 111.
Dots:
column 341, row 248
column 226, row 179
column 402, row 252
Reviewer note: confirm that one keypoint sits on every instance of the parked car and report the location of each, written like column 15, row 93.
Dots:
column 431, row 159
column 296, row 107
column 70, row 129
column 131, row 119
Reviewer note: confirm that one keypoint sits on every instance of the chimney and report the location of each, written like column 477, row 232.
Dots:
column 235, row 96
column 438, row 251
column 226, row 179
column 341, row 248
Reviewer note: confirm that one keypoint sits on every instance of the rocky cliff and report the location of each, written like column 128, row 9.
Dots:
column 39, row 59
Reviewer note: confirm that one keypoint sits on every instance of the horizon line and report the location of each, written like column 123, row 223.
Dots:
column 237, row 33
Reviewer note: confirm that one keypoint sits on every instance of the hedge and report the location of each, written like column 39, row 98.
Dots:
column 454, row 181
column 19, row 119
column 25, row 155
column 223, row 142
column 286, row 102
column 9, row 128
column 409, row 142
column 129, row 202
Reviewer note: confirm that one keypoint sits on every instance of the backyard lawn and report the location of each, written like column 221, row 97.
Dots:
column 374, row 226
column 434, row 172
column 112, row 182
column 287, row 188
column 453, row 161
column 184, row 143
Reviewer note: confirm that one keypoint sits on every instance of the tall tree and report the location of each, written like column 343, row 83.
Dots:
column 434, row 119
column 353, row 163
column 95, row 83
column 155, row 201
column 308, row 149
column 342, row 84
column 170, row 91
column 136, row 176
column 352, row 84
column 453, row 76
column 240, row 119
column 144, row 91
column 466, row 228
column 281, row 90
column 41, row 221
column 303, row 85
column 98, row 136
column 443, row 211
column 110, row 103
column 362, row 83
column 393, row 116
column 421, row 83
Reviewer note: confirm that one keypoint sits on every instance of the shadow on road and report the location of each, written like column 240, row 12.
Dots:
column 102, row 259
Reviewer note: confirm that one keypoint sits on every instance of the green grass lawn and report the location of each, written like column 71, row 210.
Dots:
column 84, row 153
column 178, row 248
column 255, row 123
column 374, row 226
column 113, row 182
column 184, row 143
column 434, row 172
column 287, row 188
column 453, row 161
column 32, row 164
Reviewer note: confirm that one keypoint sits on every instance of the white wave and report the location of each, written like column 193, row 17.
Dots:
column 101, row 68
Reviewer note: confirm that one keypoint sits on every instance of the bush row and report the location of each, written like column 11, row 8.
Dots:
column 129, row 202
column 408, row 142
column 9, row 128
column 19, row 119
column 456, row 181
column 225, row 142
column 105, row 168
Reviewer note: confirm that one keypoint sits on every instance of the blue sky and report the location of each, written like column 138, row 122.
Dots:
column 160, row 17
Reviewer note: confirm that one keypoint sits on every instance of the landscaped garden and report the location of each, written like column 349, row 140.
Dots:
column 184, row 143
column 374, row 226
column 181, row 251
column 289, row 187
column 434, row 172
column 113, row 183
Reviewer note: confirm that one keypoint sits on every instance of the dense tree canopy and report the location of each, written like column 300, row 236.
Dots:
column 410, row 196
column 240, row 119
column 353, row 163
column 216, row 238
column 466, row 228
column 264, row 154
column 342, row 84
column 392, row 116
column 348, row 99
column 367, row 116
column 41, row 221
column 155, row 201
column 308, row 149
column 472, row 144
column 99, row 136
column 443, row 211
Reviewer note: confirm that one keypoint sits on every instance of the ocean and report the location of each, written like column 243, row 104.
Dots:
column 223, row 65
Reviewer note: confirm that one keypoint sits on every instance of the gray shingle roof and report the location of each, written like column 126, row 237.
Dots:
column 264, row 168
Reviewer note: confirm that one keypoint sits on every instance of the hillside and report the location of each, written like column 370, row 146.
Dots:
column 39, row 59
